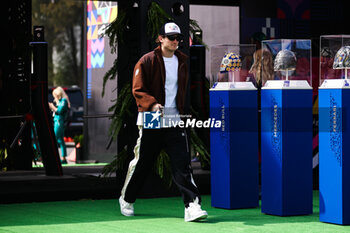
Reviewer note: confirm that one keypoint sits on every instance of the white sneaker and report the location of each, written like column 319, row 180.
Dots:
column 126, row 208
column 194, row 212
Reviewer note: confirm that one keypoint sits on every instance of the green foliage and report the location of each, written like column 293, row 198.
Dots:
column 79, row 139
column 3, row 156
column 201, row 149
column 115, row 32
column 198, row 136
column 163, row 169
column 111, row 74
column 57, row 16
column 117, row 163
column 157, row 17
column 64, row 75
column 116, row 29
column 121, row 110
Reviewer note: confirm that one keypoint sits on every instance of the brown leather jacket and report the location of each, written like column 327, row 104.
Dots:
column 149, row 81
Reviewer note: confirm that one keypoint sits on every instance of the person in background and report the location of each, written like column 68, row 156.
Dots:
column 160, row 82
column 262, row 67
column 60, row 110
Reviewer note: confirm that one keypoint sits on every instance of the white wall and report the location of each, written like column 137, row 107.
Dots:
column 220, row 25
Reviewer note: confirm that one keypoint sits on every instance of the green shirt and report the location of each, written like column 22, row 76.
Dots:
column 62, row 109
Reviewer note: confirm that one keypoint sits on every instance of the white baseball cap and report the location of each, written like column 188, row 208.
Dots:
column 170, row 28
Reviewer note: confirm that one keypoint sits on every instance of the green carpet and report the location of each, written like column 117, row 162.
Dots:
column 152, row 215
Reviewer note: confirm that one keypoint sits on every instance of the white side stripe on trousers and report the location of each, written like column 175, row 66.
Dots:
column 133, row 163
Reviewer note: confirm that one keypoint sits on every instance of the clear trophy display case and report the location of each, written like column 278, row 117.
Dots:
column 286, row 121
column 286, row 63
column 334, row 61
column 230, row 65
column 334, row 128
column 234, row 145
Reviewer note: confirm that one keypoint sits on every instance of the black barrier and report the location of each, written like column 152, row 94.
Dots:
column 41, row 112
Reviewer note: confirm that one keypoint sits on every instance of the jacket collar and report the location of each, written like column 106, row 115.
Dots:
column 180, row 55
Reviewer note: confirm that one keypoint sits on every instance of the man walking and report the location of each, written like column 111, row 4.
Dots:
column 160, row 83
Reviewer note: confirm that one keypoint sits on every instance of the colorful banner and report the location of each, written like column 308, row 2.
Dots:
column 99, row 15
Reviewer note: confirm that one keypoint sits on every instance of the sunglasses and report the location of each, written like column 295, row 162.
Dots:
column 175, row 37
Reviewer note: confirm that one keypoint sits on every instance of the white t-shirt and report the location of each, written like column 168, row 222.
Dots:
column 171, row 66
column 171, row 114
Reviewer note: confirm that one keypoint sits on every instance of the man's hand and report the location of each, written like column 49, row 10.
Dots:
column 157, row 107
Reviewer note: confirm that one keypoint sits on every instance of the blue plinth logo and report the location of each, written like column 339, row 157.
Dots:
column 151, row 120
column 335, row 129
column 276, row 129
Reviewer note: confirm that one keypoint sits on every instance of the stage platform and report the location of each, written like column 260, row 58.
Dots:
column 82, row 182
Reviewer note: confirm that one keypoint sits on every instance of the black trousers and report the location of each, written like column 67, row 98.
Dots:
column 149, row 144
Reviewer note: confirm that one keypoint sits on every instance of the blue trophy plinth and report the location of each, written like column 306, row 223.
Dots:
column 234, row 147
column 334, row 154
column 286, row 151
